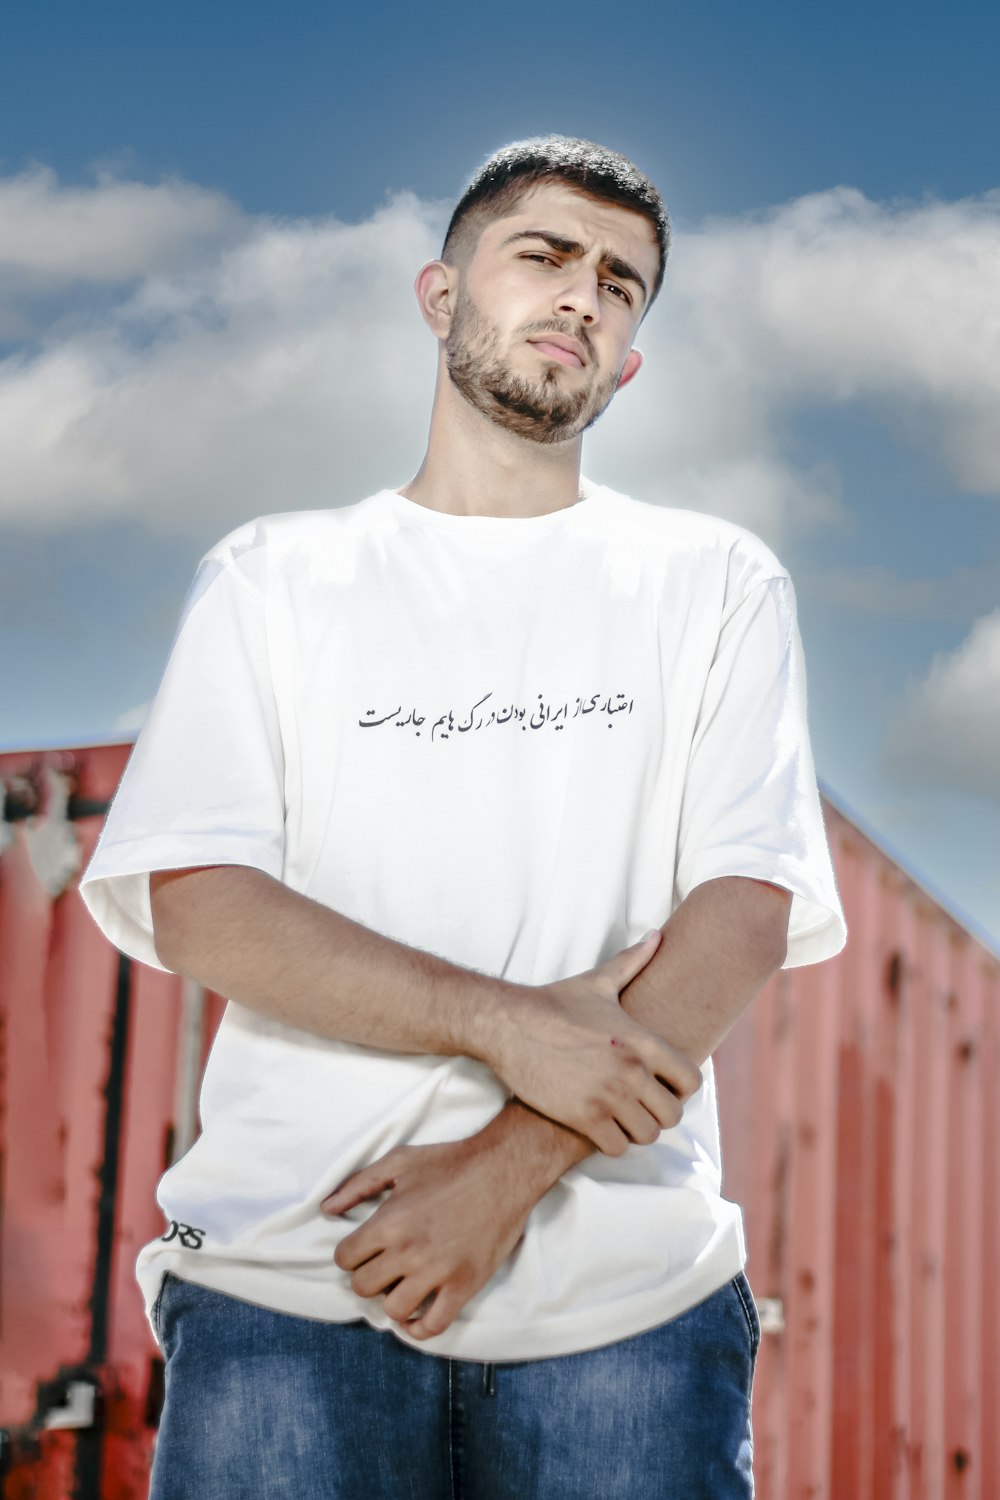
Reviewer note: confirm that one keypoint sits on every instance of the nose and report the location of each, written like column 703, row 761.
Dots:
column 578, row 294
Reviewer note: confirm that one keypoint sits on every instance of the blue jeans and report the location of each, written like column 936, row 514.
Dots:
column 259, row 1404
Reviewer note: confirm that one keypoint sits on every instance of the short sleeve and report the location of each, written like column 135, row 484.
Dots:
column 204, row 783
column 751, row 804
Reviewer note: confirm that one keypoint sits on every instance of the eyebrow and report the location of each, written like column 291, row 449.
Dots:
column 622, row 269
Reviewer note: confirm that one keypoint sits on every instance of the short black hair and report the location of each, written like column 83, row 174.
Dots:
column 596, row 170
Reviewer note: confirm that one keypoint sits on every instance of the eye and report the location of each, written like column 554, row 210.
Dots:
column 540, row 255
column 619, row 291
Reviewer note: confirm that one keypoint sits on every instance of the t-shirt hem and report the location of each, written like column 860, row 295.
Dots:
column 507, row 1342
column 174, row 851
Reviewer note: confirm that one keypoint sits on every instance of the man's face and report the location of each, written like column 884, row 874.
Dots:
column 547, row 309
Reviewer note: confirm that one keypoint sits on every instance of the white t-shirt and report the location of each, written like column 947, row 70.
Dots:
column 517, row 743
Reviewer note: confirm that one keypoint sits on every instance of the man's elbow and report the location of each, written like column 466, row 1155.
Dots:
column 774, row 948
column 194, row 909
column 175, row 900
column 767, row 925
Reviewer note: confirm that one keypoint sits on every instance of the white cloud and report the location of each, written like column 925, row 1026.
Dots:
column 947, row 732
column 111, row 232
column 290, row 369
column 234, row 365
column 827, row 299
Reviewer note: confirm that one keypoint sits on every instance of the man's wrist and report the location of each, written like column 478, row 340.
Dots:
column 539, row 1149
column 482, row 1029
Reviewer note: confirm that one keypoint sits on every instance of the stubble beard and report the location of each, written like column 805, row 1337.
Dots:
column 541, row 411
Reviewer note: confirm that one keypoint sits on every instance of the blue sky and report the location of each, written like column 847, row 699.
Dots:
column 191, row 331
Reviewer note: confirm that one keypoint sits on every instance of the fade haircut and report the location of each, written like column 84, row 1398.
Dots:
column 507, row 175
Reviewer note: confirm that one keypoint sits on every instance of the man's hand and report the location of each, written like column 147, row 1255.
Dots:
column 453, row 1215
column 456, row 1211
column 571, row 1052
column 567, row 1048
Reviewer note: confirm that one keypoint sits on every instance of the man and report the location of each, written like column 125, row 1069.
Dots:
column 421, row 771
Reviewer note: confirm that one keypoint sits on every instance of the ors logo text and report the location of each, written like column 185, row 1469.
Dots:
column 184, row 1234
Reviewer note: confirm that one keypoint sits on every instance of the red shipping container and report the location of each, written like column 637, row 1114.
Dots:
column 860, row 1116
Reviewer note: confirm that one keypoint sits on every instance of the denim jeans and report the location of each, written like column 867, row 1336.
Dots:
column 259, row 1404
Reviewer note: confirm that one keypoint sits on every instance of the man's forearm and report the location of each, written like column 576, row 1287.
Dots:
column 247, row 936
column 718, row 950
column 270, row 948
column 251, row 938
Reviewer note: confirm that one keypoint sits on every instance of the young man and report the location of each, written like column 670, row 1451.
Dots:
column 420, row 773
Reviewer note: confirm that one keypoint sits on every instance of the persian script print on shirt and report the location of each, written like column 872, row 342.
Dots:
column 483, row 715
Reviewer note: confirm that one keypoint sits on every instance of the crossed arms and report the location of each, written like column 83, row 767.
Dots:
column 600, row 1060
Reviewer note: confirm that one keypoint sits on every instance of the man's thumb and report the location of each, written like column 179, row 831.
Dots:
column 630, row 960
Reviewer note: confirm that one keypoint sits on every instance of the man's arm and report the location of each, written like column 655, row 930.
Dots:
column 255, row 940
column 566, row 1048
column 719, row 948
column 456, row 1211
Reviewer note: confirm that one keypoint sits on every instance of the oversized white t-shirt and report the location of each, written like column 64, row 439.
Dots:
column 517, row 743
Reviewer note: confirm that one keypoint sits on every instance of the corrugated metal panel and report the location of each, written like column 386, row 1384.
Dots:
column 860, row 1121
column 861, row 1127
column 90, row 1044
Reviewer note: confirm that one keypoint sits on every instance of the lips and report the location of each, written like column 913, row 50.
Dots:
column 563, row 350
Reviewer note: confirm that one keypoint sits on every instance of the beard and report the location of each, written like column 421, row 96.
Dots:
column 539, row 410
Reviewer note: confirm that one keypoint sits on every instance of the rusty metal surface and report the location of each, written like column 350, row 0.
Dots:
column 861, row 1125
column 89, row 1045
column 860, row 1122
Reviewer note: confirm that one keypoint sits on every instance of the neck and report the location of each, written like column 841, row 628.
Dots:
column 474, row 468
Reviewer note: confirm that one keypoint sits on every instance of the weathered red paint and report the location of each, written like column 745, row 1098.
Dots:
column 58, row 981
column 861, row 1123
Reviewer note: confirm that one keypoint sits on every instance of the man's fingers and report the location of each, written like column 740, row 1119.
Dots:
column 663, row 1104
column 367, row 1183
column 366, row 1241
column 374, row 1276
column 408, row 1297
column 442, row 1312
column 666, row 1071
column 639, row 1124
column 609, row 1138
column 673, row 1069
column 625, row 965
column 633, row 959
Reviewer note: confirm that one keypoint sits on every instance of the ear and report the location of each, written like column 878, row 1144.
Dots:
column 631, row 368
column 435, row 288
